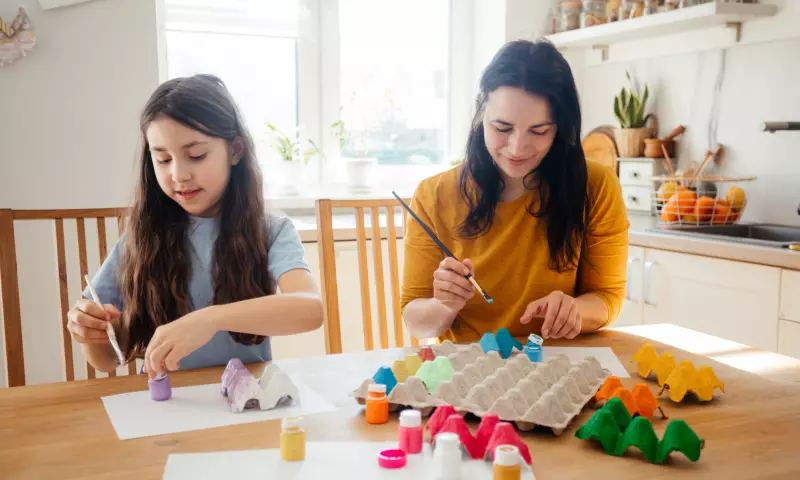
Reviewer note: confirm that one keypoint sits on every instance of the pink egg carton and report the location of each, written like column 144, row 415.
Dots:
column 490, row 434
column 243, row 391
column 548, row 394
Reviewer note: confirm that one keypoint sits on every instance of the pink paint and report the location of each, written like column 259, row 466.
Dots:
column 410, row 431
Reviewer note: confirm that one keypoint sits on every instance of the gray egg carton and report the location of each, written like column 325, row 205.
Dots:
column 528, row 394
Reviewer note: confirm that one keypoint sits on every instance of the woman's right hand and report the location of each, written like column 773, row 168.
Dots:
column 87, row 321
column 449, row 285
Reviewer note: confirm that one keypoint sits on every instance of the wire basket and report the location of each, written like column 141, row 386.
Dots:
column 700, row 200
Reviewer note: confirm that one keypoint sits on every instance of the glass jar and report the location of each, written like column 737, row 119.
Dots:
column 650, row 7
column 570, row 18
column 594, row 13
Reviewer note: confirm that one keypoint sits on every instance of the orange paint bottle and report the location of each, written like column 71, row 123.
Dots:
column 506, row 463
column 377, row 404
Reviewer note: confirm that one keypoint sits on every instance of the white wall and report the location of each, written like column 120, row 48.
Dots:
column 723, row 95
column 69, row 135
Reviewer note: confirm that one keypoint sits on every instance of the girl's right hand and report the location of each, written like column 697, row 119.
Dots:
column 449, row 285
column 87, row 321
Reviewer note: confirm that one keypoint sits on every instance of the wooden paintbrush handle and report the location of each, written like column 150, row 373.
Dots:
column 675, row 132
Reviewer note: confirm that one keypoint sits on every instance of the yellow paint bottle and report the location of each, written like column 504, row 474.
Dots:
column 507, row 463
column 293, row 439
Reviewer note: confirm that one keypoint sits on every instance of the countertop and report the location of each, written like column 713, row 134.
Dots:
column 640, row 234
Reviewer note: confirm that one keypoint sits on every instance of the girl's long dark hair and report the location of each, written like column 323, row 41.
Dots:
column 561, row 178
column 155, row 270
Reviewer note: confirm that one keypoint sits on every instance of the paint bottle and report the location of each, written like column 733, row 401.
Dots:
column 447, row 457
column 160, row 387
column 506, row 463
column 293, row 439
column 377, row 404
column 533, row 349
column 410, row 431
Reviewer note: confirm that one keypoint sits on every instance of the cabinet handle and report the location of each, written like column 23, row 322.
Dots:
column 635, row 174
column 631, row 261
column 648, row 268
column 634, row 199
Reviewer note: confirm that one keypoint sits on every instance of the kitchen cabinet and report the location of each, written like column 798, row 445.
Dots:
column 789, row 338
column 790, row 295
column 732, row 300
column 632, row 308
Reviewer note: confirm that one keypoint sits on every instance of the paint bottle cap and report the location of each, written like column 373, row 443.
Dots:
column 506, row 455
column 447, row 443
column 410, row 419
column 534, row 339
column 376, row 388
column 392, row 459
column 291, row 422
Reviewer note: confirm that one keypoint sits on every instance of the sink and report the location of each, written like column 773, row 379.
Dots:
column 779, row 236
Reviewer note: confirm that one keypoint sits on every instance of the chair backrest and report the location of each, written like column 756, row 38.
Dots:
column 9, row 281
column 327, row 260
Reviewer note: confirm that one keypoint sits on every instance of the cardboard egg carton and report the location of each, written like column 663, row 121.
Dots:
column 242, row 391
column 548, row 394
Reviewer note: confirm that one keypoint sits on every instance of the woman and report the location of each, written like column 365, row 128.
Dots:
column 544, row 233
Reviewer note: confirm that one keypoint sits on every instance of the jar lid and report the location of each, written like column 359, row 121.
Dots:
column 447, row 441
column 506, row 455
column 292, row 422
column 376, row 388
column 534, row 339
column 392, row 458
column 410, row 419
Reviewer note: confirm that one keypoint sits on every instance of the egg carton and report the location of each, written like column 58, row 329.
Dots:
column 242, row 391
column 528, row 394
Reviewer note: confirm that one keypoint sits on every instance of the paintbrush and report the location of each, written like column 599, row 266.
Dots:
column 444, row 249
column 112, row 336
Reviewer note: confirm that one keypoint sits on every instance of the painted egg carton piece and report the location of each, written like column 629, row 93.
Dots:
column 681, row 379
column 528, row 394
column 639, row 401
column 243, row 391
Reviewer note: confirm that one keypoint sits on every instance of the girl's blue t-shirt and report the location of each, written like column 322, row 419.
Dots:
column 285, row 252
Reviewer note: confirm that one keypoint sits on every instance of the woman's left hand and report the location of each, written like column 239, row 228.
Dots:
column 175, row 340
column 561, row 316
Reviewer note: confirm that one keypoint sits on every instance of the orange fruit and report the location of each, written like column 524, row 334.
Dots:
column 704, row 208
column 679, row 204
column 722, row 212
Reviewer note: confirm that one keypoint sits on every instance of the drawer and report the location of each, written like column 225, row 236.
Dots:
column 636, row 173
column 638, row 198
column 789, row 338
column 790, row 300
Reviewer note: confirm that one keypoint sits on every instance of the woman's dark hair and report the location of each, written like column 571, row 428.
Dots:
column 155, row 270
column 561, row 178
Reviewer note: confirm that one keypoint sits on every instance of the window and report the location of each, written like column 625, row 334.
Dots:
column 251, row 45
column 388, row 61
column 393, row 66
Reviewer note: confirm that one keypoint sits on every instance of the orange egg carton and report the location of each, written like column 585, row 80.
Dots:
column 679, row 379
column 639, row 401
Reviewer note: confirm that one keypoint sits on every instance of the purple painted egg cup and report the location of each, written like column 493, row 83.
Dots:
column 160, row 388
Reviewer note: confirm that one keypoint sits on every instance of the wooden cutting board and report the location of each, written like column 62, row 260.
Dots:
column 599, row 146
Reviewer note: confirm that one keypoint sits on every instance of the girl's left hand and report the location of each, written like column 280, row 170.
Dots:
column 175, row 340
column 561, row 316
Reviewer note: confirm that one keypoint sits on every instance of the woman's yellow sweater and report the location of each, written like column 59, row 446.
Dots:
column 511, row 258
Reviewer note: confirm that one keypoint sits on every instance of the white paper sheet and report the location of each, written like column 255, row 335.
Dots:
column 328, row 460
column 135, row 415
column 607, row 358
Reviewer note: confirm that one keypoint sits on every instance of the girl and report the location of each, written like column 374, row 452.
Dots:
column 546, row 230
column 192, row 281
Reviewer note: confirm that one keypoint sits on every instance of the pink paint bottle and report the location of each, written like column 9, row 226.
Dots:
column 410, row 431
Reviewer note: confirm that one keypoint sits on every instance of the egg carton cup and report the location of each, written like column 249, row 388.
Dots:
column 243, row 391
column 527, row 394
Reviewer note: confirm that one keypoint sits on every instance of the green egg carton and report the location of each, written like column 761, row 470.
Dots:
column 614, row 428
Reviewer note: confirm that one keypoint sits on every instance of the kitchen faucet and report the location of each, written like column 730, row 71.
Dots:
column 773, row 127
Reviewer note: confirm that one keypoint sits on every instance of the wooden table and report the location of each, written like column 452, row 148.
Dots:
column 61, row 431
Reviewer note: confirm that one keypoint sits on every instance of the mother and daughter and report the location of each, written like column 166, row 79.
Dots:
column 194, row 280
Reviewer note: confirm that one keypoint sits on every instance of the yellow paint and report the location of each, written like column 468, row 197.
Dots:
column 664, row 365
column 400, row 370
column 413, row 362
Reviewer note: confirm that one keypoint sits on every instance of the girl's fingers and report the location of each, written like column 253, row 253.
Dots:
column 451, row 263
column 531, row 311
column 86, row 333
column 89, row 307
column 87, row 321
column 173, row 360
column 453, row 288
column 157, row 357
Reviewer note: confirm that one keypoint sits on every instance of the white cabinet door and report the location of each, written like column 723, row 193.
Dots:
column 631, row 313
column 789, row 338
column 790, row 295
column 732, row 300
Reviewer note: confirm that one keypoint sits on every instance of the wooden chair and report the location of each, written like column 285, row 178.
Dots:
column 9, row 283
column 325, row 238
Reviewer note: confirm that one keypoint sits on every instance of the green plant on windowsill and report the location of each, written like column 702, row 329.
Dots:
column 291, row 147
column 360, row 145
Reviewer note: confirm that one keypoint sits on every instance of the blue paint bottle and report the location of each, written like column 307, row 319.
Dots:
column 533, row 349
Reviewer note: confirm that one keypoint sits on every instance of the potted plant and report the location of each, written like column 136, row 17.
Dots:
column 629, row 109
column 360, row 170
column 294, row 154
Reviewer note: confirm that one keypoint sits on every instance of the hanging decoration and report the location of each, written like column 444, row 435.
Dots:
column 16, row 38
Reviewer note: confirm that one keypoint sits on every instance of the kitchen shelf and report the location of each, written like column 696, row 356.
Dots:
column 676, row 21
